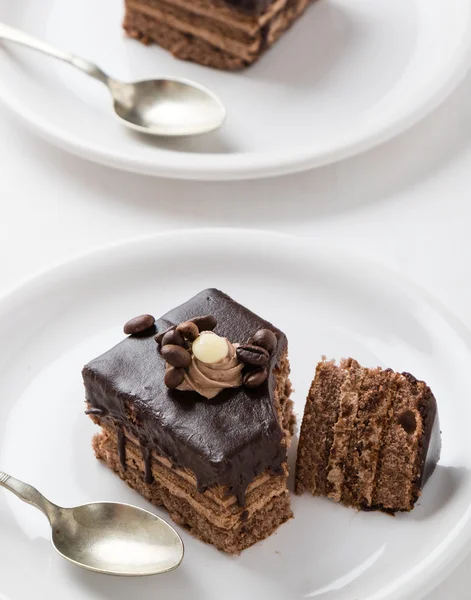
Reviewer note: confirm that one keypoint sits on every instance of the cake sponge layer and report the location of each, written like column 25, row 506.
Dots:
column 231, row 534
column 210, row 32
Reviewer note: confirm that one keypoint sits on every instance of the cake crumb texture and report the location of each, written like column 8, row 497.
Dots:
column 370, row 438
column 211, row 32
column 236, row 529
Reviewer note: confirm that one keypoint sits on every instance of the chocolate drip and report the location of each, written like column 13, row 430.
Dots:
column 264, row 37
column 121, row 446
column 147, row 457
column 240, row 495
column 201, row 488
column 250, row 7
column 95, row 411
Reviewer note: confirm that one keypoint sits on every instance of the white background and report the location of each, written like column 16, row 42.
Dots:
column 406, row 203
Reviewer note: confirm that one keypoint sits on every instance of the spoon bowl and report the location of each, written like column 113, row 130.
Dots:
column 116, row 539
column 106, row 537
column 167, row 107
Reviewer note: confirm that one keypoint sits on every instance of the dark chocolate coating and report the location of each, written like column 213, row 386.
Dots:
column 431, row 443
column 251, row 7
column 229, row 440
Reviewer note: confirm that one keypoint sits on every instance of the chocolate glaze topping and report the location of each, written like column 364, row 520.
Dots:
column 251, row 7
column 121, row 446
column 226, row 441
column 431, row 442
column 147, row 457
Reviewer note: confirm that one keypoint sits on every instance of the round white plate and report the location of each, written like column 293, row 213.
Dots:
column 327, row 304
column 349, row 75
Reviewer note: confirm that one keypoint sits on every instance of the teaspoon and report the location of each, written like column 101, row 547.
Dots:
column 168, row 107
column 106, row 537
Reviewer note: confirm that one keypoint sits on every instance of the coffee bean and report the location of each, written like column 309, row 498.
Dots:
column 176, row 356
column 254, row 379
column 188, row 330
column 265, row 339
column 207, row 323
column 139, row 324
column 173, row 337
column 253, row 355
column 174, row 377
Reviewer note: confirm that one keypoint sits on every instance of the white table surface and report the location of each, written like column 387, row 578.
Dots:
column 407, row 203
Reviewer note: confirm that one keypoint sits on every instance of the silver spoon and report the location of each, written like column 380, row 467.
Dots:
column 106, row 537
column 166, row 107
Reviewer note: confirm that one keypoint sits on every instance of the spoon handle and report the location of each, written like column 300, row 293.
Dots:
column 19, row 37
column 29, row 494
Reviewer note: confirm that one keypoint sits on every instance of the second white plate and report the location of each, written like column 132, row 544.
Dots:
column 349, row 75
column 327, row 304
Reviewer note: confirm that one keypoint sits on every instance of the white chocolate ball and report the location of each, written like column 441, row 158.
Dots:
column 209, row 348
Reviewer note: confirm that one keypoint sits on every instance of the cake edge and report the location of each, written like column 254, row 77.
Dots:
column 428, row 454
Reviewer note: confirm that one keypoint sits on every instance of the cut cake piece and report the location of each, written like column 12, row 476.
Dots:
column 370, row 438
column 224, row 34
column 217, row 465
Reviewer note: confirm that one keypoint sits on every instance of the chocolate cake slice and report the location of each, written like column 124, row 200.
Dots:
column 225, row 34
column 202, row 436
column 370, row 438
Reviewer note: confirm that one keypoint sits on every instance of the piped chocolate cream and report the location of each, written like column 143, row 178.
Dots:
column 209, row 378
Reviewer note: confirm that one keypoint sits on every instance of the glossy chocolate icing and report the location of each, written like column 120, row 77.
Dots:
column 431, row 442
column 251, row 7
column 147, row 458
column 229, row 440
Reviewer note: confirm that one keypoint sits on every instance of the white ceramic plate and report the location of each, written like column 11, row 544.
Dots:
column 327, row 304
column 351, row 74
